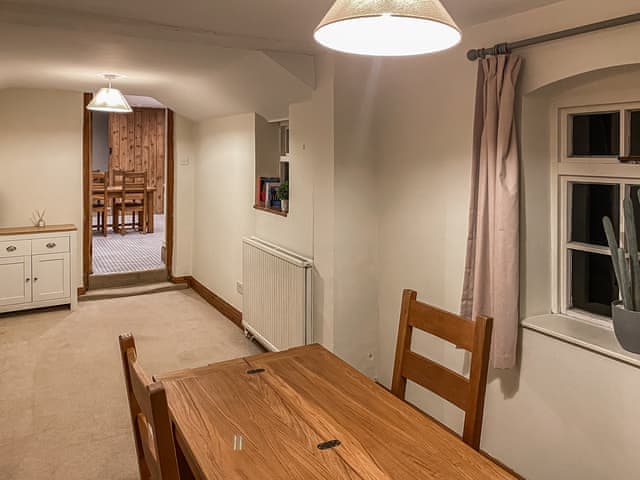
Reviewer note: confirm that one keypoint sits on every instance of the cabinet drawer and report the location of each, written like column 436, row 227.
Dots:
column 50, row 245
column 15, row 248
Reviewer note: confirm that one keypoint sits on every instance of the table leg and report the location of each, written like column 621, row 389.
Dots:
column 114, row 217
column 150, row 211
column 184, row 468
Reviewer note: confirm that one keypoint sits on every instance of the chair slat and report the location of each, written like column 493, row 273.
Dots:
column 442, row 381
column 444, row 325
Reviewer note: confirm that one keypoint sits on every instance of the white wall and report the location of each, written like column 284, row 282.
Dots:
column 224, row 195
column 560, row 414
column 223, row 202
column 323, row 188
column 100, row 141
column 358, row 196
column 41, row 158
column 295, row 231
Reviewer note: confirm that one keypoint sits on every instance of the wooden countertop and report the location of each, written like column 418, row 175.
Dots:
column 31, row 230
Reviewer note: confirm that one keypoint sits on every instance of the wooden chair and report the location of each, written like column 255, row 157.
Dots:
column 152, row 431
column 475, row 337
column 100, row 200
column 133, row 200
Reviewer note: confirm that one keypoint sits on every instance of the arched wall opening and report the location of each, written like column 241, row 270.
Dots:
column 540, row 135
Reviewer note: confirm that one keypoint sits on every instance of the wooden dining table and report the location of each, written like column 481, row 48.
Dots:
column 114, row 192
column 306, row 414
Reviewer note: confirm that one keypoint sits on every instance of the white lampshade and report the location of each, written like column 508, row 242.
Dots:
column 109, row 100
column 388, row 27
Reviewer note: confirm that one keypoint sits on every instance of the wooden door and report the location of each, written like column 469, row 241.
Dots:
column 15, row 280
column 51, row 277
column 137, row 144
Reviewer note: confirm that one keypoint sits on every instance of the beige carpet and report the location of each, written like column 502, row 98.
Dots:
column 63, row 410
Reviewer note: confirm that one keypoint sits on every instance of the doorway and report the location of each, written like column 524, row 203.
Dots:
column 128, row 175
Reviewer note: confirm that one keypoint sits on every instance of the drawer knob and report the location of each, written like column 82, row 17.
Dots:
column 35, row 279
column 11, row 248
column 51, row 245
column 27, row 280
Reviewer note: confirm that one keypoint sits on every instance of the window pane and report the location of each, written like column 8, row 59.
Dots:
column 635, row 134
column 590, row 202
column 595, row 134
column 593, row 282
column 633, row 192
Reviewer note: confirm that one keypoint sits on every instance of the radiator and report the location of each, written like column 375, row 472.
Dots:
column 276, row 306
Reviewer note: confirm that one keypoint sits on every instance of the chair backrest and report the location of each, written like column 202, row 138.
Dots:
column 99, row 185
column 134, row 184
column 98, row 177
column 117, row 177
column 150, row 418
column 473, row 336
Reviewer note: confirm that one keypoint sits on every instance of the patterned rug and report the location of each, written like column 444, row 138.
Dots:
column 132, row 252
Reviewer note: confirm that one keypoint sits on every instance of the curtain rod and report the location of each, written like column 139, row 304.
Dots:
column 504, row 48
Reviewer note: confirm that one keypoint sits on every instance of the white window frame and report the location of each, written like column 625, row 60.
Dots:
column 595, row 169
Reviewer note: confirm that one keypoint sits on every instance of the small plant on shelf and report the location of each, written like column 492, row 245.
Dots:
column 283, row 195
column 626, row 265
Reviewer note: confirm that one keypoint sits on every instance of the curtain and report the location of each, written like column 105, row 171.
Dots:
column 491, row 279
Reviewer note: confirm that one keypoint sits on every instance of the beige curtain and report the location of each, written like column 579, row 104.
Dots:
column 491, row 281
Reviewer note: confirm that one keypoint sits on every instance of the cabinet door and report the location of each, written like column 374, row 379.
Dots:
column 51, row 277
column 15, row 280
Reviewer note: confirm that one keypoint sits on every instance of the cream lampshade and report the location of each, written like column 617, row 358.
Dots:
column 388, row 27
column 109, row 99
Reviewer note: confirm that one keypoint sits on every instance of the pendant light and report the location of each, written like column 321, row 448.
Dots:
column 109, row 99
column 388, row 27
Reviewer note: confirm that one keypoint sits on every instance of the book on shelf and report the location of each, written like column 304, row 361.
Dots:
column 266, row 191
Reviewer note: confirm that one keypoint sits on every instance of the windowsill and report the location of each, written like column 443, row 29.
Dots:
column 600, row 340
column 271, row 210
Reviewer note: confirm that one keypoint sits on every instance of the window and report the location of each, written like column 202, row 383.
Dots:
column 595, row 134
column 595, row 175
column 634, row 133
column 591, row 280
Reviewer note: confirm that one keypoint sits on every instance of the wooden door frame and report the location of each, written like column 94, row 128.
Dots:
column 87, row 146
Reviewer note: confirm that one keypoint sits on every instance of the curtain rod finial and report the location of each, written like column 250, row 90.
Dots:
column 473, row 55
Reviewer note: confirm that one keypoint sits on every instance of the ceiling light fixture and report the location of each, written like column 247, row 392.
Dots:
column 109, row 99
column 388, row 27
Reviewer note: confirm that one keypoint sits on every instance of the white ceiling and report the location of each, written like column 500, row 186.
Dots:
column 200, row 57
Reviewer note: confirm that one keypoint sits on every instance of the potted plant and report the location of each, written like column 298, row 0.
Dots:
column 283, row 195
column 626, row 313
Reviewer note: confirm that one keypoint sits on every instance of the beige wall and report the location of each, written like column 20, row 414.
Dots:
column 41, row 158
column 184, row 197
column 267, row 137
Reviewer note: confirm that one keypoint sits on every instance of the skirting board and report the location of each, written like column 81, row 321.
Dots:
column 228, row 310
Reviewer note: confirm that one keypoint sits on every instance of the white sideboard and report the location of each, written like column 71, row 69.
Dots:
column 36, row 267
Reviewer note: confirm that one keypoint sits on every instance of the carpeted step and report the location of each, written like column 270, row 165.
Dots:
column 104, row 293
column 115, row 280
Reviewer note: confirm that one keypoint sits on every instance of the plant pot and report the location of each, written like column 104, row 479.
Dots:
column 626, row 325
column 285, row 205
